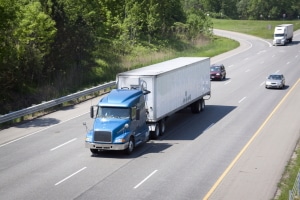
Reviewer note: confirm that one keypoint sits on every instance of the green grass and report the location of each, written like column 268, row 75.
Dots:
column 263, row 28
column 218, row 46
column 203, row 48
column 289, row 176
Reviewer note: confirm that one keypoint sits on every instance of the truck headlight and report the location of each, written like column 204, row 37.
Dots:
column 88, row 139
column 120, row 140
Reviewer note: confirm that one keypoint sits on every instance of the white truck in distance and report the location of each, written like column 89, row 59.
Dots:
column 283, row 34
column 171, row 86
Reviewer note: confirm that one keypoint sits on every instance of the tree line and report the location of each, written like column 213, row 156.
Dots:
column 253, row 9
column 53, row 47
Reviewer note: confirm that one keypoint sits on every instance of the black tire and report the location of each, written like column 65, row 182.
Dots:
column 196, row 106
column 130, row 147
column 155, row 134
column 94, row 151
column 162, row 126
column 202, row 105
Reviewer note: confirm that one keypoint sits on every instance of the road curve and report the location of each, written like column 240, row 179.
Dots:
column 242, row 140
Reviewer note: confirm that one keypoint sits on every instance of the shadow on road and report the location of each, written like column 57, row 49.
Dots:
column 187, row 126
column 39, row 122
column 181, row 126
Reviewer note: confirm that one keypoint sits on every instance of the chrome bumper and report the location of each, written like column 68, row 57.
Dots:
column 106, row 146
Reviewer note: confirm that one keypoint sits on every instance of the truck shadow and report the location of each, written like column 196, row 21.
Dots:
column 187, row 126
column 294, row 43
column 181, row 126
column 144, row 149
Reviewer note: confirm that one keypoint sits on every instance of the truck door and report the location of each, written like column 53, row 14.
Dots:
column 135, row 124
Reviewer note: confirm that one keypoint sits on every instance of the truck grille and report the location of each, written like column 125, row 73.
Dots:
column 102, row 136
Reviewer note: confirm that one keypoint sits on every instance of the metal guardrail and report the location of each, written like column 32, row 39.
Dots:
column 294, row 193
column 52, row 103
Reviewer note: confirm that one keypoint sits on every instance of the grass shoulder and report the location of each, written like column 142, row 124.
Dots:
column 263, row 28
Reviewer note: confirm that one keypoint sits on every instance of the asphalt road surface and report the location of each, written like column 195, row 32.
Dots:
column 236, row 148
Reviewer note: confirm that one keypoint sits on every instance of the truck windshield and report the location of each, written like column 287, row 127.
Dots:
column 279, row 35
column 113, row 112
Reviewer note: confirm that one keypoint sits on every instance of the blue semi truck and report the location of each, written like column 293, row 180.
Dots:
column 144, row 99
column 120, row 122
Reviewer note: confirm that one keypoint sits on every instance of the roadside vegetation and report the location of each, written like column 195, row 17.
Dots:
column 51, row 48
column 289, row 177
column 260, row 28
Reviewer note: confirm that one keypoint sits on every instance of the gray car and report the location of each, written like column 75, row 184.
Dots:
column 275, row 81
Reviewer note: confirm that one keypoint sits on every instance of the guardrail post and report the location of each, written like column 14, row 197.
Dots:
column 291, row 195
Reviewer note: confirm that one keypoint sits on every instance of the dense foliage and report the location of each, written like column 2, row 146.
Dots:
column 253, row 9
column 54, row 47
column 50, row 48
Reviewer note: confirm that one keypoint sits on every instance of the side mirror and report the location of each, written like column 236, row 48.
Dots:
column 93, row 111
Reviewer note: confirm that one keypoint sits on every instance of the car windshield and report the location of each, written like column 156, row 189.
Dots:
column 113, row 112
column 215, row 69
column 274, row 77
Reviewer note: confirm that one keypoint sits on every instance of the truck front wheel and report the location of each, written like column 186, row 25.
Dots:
column 130, row 147
column 94, row 151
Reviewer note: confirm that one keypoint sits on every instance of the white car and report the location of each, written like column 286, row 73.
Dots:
column 275, row 81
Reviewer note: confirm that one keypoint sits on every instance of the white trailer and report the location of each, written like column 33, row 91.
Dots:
column 283, row 34
column 172, row 85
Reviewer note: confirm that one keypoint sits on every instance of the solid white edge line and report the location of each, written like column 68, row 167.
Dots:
column 249, row 47
column 63, row 144
column 2, row 145
column 70, row 176
column 209, row 127
column 145, row 179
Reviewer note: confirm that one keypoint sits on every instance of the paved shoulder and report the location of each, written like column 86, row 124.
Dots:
column 256, row 173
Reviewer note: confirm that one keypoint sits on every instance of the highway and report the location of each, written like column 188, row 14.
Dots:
column 236, row 148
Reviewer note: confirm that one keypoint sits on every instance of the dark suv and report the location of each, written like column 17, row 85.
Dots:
column 217, row 72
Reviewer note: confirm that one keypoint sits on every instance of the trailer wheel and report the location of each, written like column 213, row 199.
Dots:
column 196, row 106
column 130, row 147
column 162, row 126
column 202, row 104
column 155, row 134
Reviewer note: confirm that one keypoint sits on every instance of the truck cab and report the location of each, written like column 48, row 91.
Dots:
column 119, row 122
column 280, row 36
column 283, row 34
